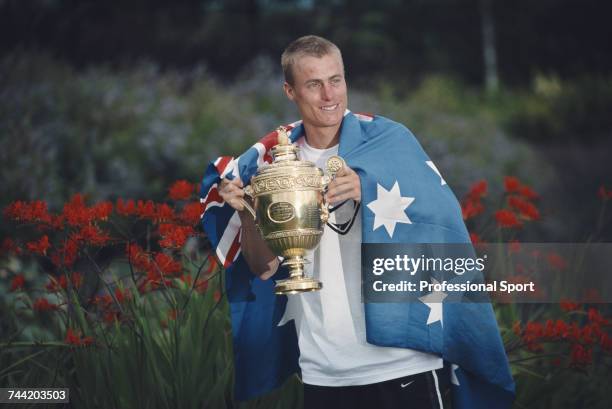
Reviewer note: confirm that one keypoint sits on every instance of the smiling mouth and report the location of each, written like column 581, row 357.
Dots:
column 329, row 107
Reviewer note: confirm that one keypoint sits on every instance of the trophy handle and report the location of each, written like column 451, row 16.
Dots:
column 249, row 192
column 324, row 212
column 325, row 181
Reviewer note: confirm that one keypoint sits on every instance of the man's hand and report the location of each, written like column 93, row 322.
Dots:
column 232, row 192
column 346, row 185
column 256, row 252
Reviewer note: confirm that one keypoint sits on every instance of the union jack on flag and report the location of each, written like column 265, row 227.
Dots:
column 405, row 200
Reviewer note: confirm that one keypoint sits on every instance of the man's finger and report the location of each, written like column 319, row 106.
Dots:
column 342, row 181
column 236, row 204
column 338, row 195
column 335, row 200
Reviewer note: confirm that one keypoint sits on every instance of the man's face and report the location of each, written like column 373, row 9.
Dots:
column 319, row 90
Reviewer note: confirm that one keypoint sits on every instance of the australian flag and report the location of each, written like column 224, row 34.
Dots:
column 404, row 200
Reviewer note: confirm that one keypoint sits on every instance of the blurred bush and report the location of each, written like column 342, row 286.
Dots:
column 107, row 133
column 559, row 111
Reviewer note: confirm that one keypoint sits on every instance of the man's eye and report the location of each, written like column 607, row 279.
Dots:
column 313, row 85
column 336, row 81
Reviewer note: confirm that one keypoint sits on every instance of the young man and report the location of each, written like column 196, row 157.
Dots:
column 350, row 354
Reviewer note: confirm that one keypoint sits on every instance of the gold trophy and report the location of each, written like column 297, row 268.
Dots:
column 290, row 211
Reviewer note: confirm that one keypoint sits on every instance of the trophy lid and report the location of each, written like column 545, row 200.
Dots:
column 284, row 150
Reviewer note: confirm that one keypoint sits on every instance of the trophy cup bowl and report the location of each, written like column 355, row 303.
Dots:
column 290, row 211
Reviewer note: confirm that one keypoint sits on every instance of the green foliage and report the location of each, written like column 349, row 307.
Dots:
column 557, row 110
column 159, row 362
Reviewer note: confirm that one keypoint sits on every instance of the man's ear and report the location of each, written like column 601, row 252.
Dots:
column 289, row 91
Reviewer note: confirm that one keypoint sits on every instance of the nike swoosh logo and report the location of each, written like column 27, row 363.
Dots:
column 403, row 385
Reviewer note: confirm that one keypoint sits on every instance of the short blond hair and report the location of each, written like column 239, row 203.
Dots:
column 310, row 45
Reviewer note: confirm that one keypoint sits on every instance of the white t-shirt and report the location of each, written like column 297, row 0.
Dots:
column 330, row 323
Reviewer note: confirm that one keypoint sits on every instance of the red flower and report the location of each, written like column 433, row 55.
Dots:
column 154, row 280
column 561, row 329
column 75, row 212
column 596, row 317
column 527, row 209
column 181, row 190
column 67, row 254
column 556, row 261
column 604, row 194
column 73, row 337
column 475, row 238
column 217, row 295
column 569, row 306
column 527, row 193
column 506, row 218
column 174, row 236
column 35, row 211
column 163, row 212
column 212, row 264
column 42, row 304
column 511, row 184
column 17, row 282
column 532, row 335
column 516, row 328
column 167, row 264
column 145, row 210
column 138, row 257
column 76, row 278
column 581, row 356
column 186, row 279
column 92, row 235
column 471, row 208
column 122, row 295
column 39, row 246
column 549, row 329
column 102, row 211
column 110, row 317
column 587, row 335
column 126, row 208
column 478, row 190
column 192, row 213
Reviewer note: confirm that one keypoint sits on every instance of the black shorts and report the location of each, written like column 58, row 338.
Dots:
column 427, row 390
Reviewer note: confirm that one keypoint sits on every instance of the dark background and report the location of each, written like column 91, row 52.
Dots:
column 404, row 39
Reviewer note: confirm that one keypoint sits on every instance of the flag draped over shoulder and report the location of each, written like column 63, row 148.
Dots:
column 405, row 200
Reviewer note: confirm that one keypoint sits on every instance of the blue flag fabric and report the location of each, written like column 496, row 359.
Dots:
column 405, row 200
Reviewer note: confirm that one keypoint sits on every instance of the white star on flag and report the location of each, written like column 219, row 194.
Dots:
column 388, row 208
column 454, row 379
column 434, row 301
column 435, row 169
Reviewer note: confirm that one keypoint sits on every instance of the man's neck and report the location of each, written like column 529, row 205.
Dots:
column 322, row 138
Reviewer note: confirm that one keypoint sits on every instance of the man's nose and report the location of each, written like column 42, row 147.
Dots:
column 327, row 92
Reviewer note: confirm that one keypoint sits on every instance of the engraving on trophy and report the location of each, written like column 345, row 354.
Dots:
column 312, row 213
column 284, row 183
column 281, row 212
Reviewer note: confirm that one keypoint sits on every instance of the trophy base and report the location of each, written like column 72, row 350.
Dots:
column 296, row 286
